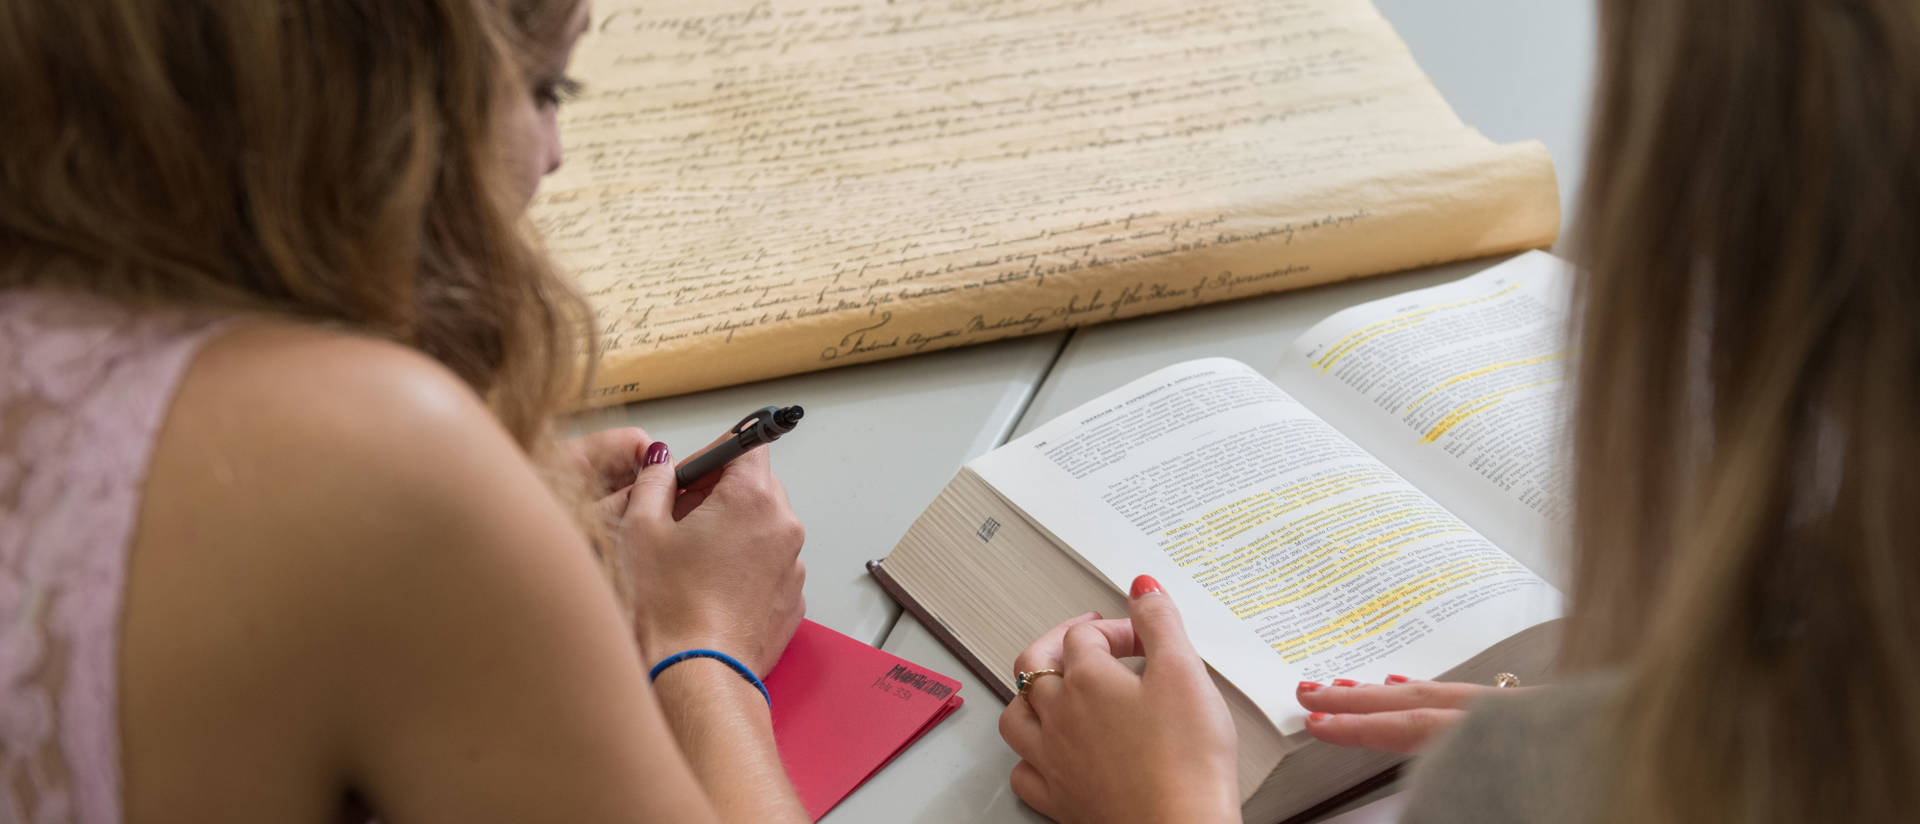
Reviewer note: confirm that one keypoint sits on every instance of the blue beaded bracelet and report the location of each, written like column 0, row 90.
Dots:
column 717, row 656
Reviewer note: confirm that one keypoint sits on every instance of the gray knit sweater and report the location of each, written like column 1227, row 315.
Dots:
column 1538, row 755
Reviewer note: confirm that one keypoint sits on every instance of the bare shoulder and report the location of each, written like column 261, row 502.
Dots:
column 269, row 386
column 305, row 454
column 334, row 435
column 314, row 436
column 323, row 515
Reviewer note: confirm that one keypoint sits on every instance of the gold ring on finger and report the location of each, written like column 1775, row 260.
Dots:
column 1506, row 679
column 1023, row 681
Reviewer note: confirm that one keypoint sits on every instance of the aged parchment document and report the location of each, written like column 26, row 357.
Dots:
column 755, row 189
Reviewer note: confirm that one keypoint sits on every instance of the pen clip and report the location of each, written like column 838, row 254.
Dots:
column 755, row 417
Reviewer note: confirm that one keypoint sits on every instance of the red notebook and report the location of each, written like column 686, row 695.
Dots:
column 842, row 710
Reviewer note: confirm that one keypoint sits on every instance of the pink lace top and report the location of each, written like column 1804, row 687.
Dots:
column 84, row 388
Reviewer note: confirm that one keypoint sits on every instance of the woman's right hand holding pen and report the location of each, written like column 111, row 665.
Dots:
column 716, row 567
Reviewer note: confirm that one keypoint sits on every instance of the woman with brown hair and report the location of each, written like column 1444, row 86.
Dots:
column 284, row 532
column 1743, row 643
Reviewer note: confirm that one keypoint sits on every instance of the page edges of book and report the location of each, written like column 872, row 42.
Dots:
column 989, row 609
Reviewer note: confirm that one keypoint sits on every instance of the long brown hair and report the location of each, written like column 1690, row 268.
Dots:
column 333, row 161
column 1746, row 447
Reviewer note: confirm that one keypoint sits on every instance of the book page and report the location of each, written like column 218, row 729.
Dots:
column 1460, row 388
column 1293, row 554
column 753, row 189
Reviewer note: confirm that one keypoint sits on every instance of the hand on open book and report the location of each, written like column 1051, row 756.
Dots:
column 717, row 569
column 1102, row 743
column 1399, row 716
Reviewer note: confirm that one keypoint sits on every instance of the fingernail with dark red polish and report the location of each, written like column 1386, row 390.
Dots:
column 1397, row 679
column 1345, row 682
column 1308, row 686
column 656, row 454
column 1318, row 716
column 1145, row 584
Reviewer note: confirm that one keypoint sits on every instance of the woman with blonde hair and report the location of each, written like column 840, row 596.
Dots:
column 1743, row 642
column 284, row 532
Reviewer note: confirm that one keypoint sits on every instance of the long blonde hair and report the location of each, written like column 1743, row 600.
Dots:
column 1747, row 446
column 328, row 160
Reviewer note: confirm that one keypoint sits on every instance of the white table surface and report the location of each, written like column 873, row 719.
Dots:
column 877, row 443
column 1516, row 70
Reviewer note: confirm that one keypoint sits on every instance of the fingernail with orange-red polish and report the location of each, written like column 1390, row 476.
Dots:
column 1345, row 682
column 1308, row 686
column 1145, row 584
column 656, row 453
column 1397, row 679
column 1318, row 716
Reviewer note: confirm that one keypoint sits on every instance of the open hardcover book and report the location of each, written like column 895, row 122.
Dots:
column 1383, row 502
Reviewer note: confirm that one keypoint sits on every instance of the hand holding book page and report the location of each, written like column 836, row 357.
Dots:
column 1294, row 554
column 758, row 189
